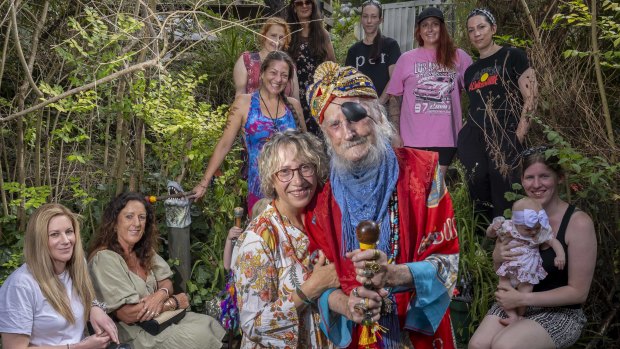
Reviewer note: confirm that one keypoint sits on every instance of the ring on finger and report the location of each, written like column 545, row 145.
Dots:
column 367, row 302
column 375, row 254
column 373, row 266
column 355, row 293
column 368, row 314
column 368, row 283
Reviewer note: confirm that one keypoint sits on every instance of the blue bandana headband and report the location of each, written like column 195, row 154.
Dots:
column 530, row 218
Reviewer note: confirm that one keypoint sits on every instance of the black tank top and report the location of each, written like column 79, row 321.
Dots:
column 556, row 278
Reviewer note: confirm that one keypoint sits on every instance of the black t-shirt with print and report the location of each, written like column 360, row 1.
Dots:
column 493, row 89
column 376, row 70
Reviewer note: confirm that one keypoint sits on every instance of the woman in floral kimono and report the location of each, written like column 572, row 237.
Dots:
column 277, row 280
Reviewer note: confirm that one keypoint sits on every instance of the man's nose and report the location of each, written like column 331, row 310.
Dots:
column 349, row 130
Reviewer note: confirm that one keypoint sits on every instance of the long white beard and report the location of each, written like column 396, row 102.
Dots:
column 376, row 153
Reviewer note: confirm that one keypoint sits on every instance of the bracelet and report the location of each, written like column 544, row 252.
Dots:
column 100, row 305
column 303, row 296
column 176, row 302
column 165, row 289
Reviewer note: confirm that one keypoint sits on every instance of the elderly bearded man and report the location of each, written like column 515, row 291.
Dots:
column 414, row 267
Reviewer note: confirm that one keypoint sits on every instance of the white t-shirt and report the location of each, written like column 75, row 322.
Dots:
column 24, row 310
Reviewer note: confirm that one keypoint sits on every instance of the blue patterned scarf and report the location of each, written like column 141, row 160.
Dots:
column 364, row 194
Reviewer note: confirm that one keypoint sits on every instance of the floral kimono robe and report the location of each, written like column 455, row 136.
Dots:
column 271, row 261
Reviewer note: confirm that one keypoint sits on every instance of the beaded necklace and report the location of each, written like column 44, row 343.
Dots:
column 274, row 120
column 394, row 228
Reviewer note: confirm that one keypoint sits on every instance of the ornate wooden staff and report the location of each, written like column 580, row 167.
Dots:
column 368, row 234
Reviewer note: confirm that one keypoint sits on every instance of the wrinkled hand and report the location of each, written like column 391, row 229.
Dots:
column 234, row 233
column 324, row 275
column 508, row 297
column 559, row 262
column 361, row 258
column 95, row 341
column 357, row 308
column 103, row 324
column 152, row 305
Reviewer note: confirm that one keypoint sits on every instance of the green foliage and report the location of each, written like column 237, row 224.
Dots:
column 98, row 44
column 590, row 179
column 576, row 16
column 31, row 197
column 476, row 279
column 343, row 32
column 512, row 41
column 218, row 57
column 9, row 261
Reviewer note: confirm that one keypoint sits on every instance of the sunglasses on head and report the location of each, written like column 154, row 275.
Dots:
column 534, row 150
column 353, row 111
column 303, row 3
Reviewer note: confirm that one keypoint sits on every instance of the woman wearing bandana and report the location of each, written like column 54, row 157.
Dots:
column 553, row 316
column 501, row 87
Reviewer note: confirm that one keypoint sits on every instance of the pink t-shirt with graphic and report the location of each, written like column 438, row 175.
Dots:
column 430, row 114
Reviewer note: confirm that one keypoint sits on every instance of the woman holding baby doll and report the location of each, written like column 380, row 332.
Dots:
column 530, row 227
column 553, row 316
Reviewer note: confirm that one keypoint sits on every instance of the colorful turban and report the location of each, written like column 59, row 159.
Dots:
column 331, row 81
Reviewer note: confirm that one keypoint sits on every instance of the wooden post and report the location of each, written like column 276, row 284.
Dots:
column 178, row 240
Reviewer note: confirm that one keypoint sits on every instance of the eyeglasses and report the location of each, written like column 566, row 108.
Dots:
column 303, row 3
column 534, row 150
column 353, row 111
column 286, row 174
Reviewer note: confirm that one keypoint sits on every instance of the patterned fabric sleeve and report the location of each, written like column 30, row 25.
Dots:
column 267, row 313
column 435, row 274
column 432, row 299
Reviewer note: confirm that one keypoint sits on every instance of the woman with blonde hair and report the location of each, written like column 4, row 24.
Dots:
column 277, row 279
column 274, row 35
column 46, row 301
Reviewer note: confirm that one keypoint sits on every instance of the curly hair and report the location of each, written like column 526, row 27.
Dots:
column 106, row 237
column 308, row 149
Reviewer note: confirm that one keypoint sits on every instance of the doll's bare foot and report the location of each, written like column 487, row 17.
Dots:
column 509, row 320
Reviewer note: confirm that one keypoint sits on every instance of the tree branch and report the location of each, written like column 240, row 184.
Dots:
column 20, row 53
column 150, row 63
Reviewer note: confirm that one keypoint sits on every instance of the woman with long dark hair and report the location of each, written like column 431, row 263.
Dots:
column 375, row 55
column 310, row 46
column 428, row 81
column 135, row 281
column 260, row 115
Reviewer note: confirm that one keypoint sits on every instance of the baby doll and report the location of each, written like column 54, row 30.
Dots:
column 529, row 227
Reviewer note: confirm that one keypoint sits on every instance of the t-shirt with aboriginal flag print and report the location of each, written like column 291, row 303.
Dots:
column 492, row 86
